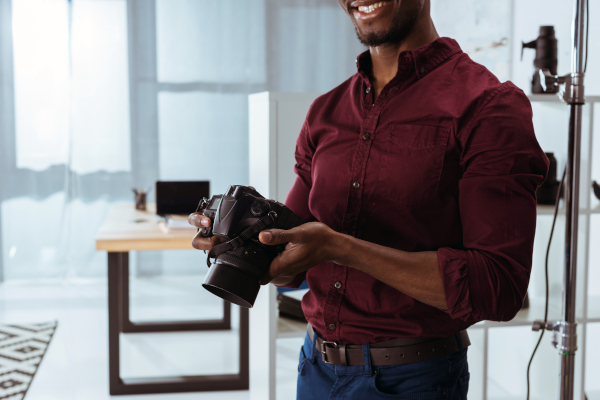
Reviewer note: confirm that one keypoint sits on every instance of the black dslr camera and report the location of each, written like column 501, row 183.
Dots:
column 239, row 263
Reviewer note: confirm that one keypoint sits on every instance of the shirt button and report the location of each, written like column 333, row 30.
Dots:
column 422, row 70
column 366, row 135
column 332, row 327
column 356, row 185
column 368, row 90
column 338, row 285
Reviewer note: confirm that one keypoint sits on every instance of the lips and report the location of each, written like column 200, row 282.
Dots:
column 368, row 9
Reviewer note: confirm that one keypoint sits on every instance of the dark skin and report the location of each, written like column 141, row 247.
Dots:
column 416, row 274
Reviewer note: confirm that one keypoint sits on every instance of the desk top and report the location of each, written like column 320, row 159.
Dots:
column 126, row 228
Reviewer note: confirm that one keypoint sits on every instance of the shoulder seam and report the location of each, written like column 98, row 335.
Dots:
column 486, row 101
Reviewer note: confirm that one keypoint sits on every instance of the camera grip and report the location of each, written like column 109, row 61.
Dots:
column 206, row 232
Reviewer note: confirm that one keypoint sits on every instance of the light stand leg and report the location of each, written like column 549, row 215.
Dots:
column 567, row 333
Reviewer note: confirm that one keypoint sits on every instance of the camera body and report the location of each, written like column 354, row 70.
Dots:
column 238, row 216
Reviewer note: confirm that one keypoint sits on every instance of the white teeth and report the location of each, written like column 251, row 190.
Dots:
column 372, row 7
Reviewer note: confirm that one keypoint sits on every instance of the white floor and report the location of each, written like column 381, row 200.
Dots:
column 76, row 364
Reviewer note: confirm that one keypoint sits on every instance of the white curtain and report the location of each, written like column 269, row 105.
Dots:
column 66, row 132
column 100, row 96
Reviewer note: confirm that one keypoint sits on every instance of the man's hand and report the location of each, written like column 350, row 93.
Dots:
column 199, row 242
column 309, row 244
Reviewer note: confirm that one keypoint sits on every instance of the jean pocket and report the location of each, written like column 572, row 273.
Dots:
column 390, row 387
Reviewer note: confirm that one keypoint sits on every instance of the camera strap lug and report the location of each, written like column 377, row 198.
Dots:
column 260, row 225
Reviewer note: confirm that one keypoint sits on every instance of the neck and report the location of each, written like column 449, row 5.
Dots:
column 384, row 58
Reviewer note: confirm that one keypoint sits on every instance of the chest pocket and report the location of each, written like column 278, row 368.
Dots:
column 411, row 163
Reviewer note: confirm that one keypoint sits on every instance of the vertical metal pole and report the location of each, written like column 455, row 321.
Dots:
column 567, row 338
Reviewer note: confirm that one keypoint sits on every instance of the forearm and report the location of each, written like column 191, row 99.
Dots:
column 416, row 274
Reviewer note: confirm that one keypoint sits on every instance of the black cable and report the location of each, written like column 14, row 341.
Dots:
column 560, row 186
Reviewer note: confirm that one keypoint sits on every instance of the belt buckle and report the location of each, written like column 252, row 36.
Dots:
column 324, row 350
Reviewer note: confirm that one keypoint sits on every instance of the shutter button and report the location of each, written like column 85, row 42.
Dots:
column 338, row 285
column 356, row 185
column 332, row 327
column 366, row 135
column 368, row 90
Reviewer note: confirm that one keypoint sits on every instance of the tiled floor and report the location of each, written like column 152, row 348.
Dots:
column 76, row 364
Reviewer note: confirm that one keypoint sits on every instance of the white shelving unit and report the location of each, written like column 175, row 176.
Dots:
column 500, row 352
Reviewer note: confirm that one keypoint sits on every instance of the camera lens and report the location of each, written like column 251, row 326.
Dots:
column 235, row 275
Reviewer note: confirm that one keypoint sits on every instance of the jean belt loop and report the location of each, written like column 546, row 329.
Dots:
column 367, row 355
column 459, row 341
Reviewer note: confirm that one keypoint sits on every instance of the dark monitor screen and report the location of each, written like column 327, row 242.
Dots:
column 179, row 198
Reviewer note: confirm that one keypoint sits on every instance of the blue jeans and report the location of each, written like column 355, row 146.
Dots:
column 444, row 377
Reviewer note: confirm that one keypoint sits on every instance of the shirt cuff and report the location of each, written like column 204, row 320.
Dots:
column 455, row 276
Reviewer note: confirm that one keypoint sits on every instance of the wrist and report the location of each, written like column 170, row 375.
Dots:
column 339, row 248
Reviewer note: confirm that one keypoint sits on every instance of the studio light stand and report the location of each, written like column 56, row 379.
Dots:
column 572, row 92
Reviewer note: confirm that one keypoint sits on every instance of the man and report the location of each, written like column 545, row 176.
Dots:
column 421, row 170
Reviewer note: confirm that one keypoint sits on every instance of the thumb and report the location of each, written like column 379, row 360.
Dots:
column 275, row 236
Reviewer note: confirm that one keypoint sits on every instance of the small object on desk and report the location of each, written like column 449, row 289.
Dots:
column 176, row 222
column 596, row 188
column 140, row 198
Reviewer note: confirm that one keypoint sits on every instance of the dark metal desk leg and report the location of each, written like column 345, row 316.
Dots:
column 164, row 326
column 115, row 264
column 244, row 375
column 118, row 270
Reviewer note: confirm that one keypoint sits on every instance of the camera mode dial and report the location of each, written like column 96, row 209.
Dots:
column 259, row 208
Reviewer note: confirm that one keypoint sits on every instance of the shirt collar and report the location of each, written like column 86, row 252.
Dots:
column 423, row 59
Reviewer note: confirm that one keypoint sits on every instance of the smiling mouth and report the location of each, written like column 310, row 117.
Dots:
column 372, row 7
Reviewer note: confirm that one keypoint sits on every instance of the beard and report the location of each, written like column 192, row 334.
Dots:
column 402, row 25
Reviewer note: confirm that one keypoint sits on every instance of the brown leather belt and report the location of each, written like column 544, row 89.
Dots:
column 391, row 352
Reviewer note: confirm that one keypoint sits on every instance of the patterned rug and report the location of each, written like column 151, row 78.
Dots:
column 22, row 348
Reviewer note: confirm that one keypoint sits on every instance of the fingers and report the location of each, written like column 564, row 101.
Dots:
column 277, row 236
column 202, row 243
column 280, row 269
column 273, row 271
column 198, row 220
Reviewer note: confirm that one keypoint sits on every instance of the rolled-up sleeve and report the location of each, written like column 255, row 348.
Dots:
column 487, row 278
column 297, row 199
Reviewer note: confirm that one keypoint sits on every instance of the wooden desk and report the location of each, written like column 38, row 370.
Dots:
column 126, row 229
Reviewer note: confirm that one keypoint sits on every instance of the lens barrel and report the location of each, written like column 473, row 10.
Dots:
column 232, row 284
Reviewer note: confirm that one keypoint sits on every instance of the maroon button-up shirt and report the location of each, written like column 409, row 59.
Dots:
column 444, row 160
